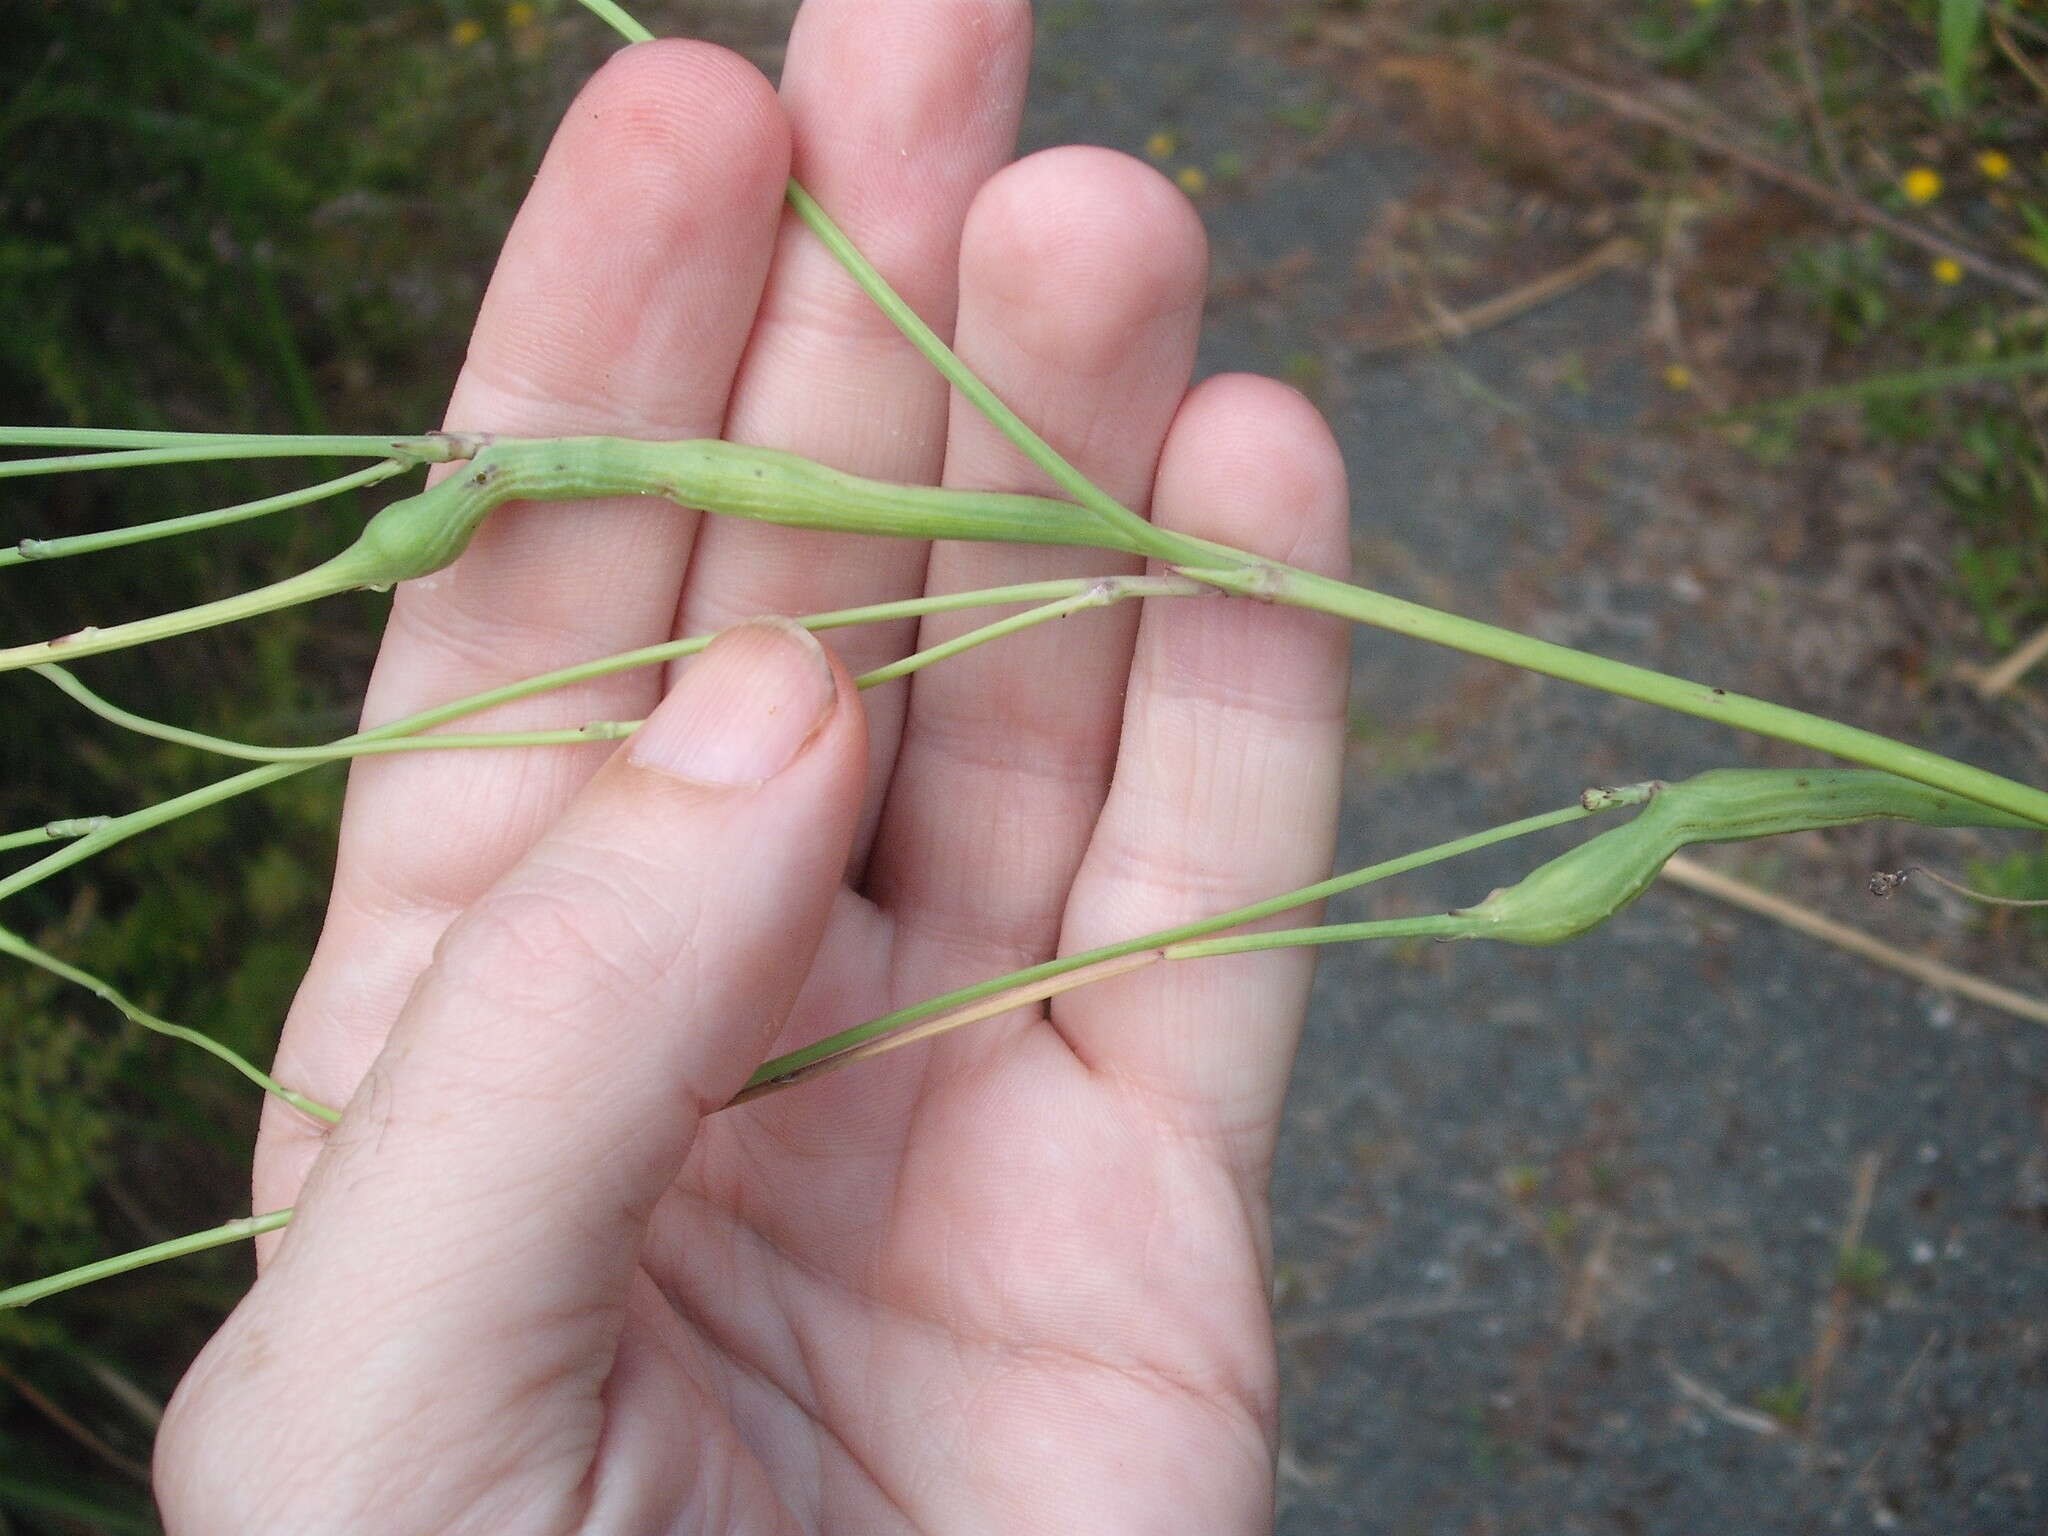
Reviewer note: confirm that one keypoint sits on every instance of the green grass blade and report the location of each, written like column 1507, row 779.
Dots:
column 1958, row 27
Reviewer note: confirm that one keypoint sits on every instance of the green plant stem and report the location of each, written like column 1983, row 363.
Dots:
column 52, row 832
column 329, row 752
column 1305, row 589
column 325, row 580
column 13, row 944
column 176, row 1248
column 425, row 532
column 1099, row 593
column 206, row 447
column 116, row 829
column 784, row 1067
column 617, row 17
column 780, row 1072
column 1102, row 592
column 89, row 543
column 1114, row 515
column 419, row 447
column 1434, row 925
column 1560, row 899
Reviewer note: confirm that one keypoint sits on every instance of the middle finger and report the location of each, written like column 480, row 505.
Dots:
column 1082, row 284
column 901, row 109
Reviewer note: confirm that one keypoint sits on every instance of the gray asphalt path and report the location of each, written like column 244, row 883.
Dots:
column 1559, row 1230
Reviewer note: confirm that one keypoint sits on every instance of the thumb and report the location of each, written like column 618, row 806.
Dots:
column 482, row 1203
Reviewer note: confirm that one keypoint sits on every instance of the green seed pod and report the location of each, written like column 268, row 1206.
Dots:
column 421, row 534
column 1576, row 891
column 1581, row 889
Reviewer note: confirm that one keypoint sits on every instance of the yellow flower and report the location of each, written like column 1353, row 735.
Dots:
column 1677, row 376
column 1161, row 144
column 465, row 32
column 1947, row 269
column 1996, row 164
column 1921, row 184
column 1193, row 180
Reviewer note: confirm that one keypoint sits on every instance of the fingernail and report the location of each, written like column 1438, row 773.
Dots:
column 744, row 708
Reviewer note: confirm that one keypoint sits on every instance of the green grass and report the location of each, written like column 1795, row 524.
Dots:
column 218, row 215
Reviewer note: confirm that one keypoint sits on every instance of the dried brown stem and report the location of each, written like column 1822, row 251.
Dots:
column 1457, row 325
column 1698, row 877
column 1844, row 204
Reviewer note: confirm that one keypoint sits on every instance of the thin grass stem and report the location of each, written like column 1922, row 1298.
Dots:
column 325, row 580
column 927, row 341
column 13, row 944
column 1434, row 925
column 1906, row 385
column 1103, row 592
column 616, row 16
column 1273, row 582
column 200, row 448
column 52, row 832
column 328, row 752
column 38, row 550
column 130, row 437
column 156, row 1253
column 1119, row 518
column 117, row 829
column 1098, row 593
column 794, row 1066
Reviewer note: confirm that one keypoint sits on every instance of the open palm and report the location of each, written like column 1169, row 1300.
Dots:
column 1015, row 1279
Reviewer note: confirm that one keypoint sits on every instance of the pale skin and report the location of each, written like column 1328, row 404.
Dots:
column 1015, row 1279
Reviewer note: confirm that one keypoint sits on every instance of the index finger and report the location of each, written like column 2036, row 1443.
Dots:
column 621, row 305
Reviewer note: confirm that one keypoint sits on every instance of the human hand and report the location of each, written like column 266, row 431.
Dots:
column 1014, row 1279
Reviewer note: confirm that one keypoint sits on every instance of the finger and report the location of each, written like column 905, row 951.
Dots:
column 620, row 305
column 901, row 109
column 1081, row 296
column 487, row 1192
column 1228, row 775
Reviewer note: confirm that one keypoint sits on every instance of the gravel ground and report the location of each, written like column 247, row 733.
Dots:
column 1559, row 1231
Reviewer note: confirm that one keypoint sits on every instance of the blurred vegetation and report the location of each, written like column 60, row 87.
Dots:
column 1932, row 110
column 213, row 215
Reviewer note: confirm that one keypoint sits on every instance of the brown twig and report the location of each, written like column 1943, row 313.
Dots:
column 1845, row 204
column 1696, row 1391
column 1827, row 1346
column 1356, row 1320
column 1584, row 1300
column 1816, row 103
column 1450, row 325
column 1865, row 1479
column 1697, row 877
column 2010, row 47
column 1994, row 681
column 53, row 1411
